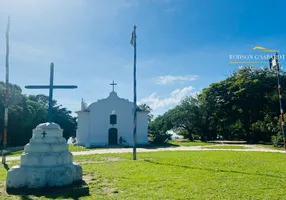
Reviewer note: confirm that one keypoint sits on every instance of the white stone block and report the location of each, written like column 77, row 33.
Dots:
column 45, row 161
column 38, row 147
column 36, row 178
column 16, row 177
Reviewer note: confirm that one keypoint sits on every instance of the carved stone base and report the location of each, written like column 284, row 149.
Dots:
column 46, row 161
column 19, row 177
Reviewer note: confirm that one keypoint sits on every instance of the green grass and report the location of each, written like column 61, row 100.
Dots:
column 178, row 175
column 15, row 153
column 226, row 147
column 189, row 143
column 74, row 148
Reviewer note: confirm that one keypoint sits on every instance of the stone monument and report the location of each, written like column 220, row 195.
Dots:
column 46, row 161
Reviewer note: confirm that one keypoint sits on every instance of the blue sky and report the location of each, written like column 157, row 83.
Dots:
column 183, row 45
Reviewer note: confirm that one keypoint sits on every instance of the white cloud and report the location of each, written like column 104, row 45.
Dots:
column 175, row 97
column 163, row 80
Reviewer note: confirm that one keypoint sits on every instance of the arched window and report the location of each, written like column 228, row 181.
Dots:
column 113, row 119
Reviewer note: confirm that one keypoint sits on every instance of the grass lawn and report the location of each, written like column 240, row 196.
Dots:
column 15, row 153
column 74, row 148
column 177, row 175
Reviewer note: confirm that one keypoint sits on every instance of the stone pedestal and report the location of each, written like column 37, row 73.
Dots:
column 46, row 161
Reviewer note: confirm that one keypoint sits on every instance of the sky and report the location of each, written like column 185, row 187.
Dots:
column 182, row 45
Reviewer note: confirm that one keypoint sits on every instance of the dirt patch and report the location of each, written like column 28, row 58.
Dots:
column 89, row 162
column 109, row 191
column 88, row 177
column 2, row 187
column 105, row 159
column 113, row 159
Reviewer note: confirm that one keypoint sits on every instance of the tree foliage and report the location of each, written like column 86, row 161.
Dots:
column 158, row 129
column 26, row 112
column 244, row 106
column 147, row 108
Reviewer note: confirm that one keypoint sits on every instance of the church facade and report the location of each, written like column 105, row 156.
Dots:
column 110, row 122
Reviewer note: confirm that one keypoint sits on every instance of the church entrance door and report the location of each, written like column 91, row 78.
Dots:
column 112, row 136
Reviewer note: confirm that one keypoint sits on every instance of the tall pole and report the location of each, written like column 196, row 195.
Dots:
column 6, row 96
column 280, row 99
column 134, row 89
column 51, row 93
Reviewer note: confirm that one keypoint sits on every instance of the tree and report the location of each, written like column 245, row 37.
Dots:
column 244, row 106
column 61, row 116
column 236, row 104
column 189, row 116
column 26, row 112
column 158, row 129
column 147, row 108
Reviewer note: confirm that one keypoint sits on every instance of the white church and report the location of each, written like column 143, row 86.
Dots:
column 109, row 121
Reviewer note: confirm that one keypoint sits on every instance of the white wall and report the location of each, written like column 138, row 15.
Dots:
column 142, row 128
column 82, row 127
column 100, row 115
column 99, row 122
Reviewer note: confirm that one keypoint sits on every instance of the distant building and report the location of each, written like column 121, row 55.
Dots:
column 110, row 122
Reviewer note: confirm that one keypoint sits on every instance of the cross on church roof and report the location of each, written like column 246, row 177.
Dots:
column 113, row 84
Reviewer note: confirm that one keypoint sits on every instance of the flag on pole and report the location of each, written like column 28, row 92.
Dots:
column 273, row 61
column 132, row 38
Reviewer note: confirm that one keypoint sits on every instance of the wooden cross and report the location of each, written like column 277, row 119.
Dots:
column 113, row 84
column 51, row 87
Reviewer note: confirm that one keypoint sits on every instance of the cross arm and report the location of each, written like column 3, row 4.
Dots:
column 37, row 86
column 54, row 87
column 64, row 86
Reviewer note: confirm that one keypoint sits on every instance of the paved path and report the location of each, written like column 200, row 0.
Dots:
column 191, row 148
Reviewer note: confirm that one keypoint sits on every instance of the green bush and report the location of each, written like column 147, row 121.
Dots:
column 277, row 139
column 183, row 133
column 161, row 138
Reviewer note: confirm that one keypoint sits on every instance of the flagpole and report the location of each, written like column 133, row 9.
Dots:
column 280, row 100
column 134, row 89
column 6, row 96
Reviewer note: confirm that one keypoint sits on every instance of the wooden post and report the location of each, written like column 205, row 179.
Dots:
column 5, row 133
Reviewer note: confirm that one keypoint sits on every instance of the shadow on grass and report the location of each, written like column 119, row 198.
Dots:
column 156, row 146
column 228, row 142
column 213, row 170
column 74, row 191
